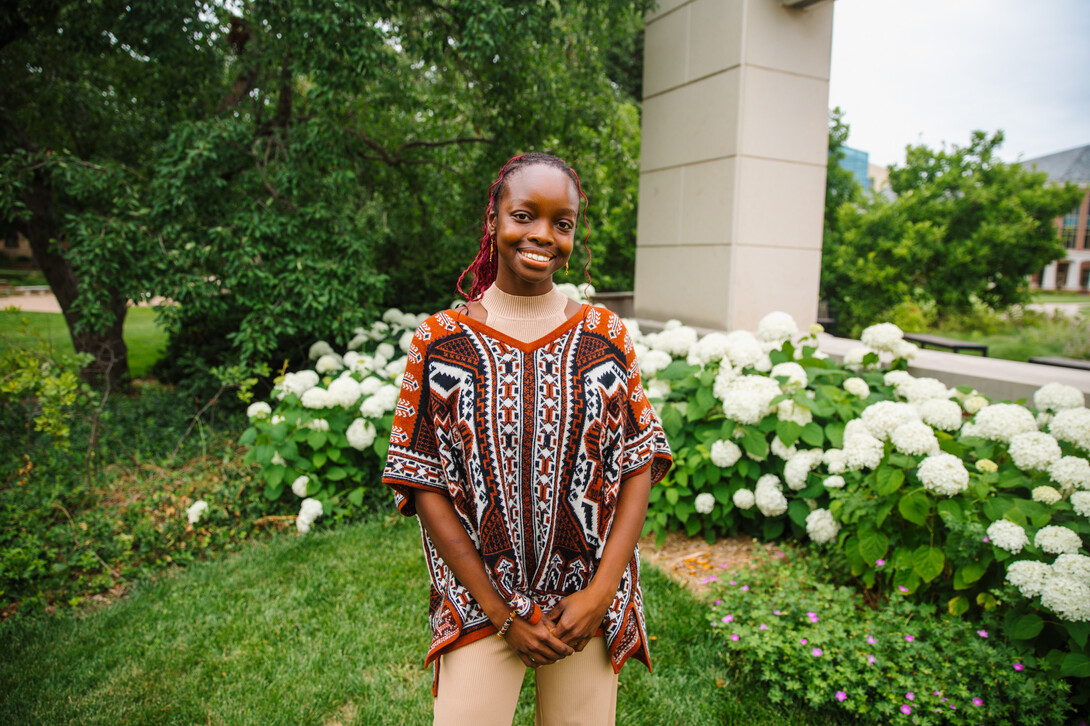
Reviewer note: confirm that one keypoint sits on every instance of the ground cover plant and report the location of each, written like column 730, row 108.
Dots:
column 326, row 628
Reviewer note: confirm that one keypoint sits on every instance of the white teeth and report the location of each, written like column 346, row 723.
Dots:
column 536, row 257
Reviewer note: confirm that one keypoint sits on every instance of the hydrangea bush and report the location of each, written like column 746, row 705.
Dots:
column 917, row 489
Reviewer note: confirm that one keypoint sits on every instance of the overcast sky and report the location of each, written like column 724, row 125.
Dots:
column 932, row 71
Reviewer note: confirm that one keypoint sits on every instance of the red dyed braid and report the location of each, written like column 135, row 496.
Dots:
column 483, row 267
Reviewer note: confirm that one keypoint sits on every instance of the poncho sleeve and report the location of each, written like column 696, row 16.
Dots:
column 413, row 460
column 645, row 443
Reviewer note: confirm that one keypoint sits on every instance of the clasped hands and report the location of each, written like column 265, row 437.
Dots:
column 562, row 631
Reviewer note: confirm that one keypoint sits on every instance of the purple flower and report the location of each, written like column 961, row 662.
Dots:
column 1018, row 666
column 763, row 627
column 735, row 637
column 802, row 640
column 871, row 639
column 982, row 633
column 879, row 563
column 745, row 588
column 902, row 588
column 813, row 617
column 723, row 565
column 841, row 696
column 935, row 692
column 718, row 602
column 906, row 709
column 728, row 618
column 910, row 638
column 871, row 660
column 912, row 696
column 777, row 612
column 986, row 540
column 713, row 578
column 733, row 582
column 978, row 702
column 816, row 652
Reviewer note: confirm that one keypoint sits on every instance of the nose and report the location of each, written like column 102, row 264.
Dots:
column 542, row 233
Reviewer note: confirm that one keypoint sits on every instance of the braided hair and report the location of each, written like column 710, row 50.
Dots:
column 483, row 267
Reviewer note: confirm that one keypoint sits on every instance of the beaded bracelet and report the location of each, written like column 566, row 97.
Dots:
column 507, row 624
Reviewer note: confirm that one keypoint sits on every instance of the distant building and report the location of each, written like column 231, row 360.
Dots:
column 1073, row 272
column 855, row 161
column 16, row 248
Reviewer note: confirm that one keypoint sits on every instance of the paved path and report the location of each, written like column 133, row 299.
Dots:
column 48, row 303
column 1071, row 310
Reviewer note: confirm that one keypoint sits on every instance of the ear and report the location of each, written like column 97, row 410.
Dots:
column 492, row 221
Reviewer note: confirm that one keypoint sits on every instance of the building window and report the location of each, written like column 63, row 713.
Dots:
column 1069, row 230
column 1061, row 275
column 11, row 242
column 1084, row 276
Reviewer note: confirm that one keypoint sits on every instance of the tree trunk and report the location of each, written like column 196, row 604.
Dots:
column 111, row 361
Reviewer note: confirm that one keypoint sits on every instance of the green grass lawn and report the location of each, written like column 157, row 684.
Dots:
column 145, row 339
column 324, row 629
column 1044, row 296
column 17, row 277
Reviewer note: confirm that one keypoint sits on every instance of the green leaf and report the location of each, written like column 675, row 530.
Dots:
column 1075, row 665
column 382, row 443
column 914, row 507
column 949, row 509
column 813, row 435
column 677, row 370
column 882, row 512
column 1078, row 632
column 672, row 422
column 928, row 562
column 1026, row 627
column 272, row 493
column 316, row 439
column 335, row 473
column 966, row 575
column 835, row 433
column 958, row 605
column 798, row 511
column 888, row 480
column 274, row 475
column 872, row 546
column 318, row 458
column 755, row 443
column 248, row 436
column 672, row 495
column 773, row 528
column 788, row 432
column 356, row 496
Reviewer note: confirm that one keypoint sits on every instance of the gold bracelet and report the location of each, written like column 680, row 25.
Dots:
column 507, row 624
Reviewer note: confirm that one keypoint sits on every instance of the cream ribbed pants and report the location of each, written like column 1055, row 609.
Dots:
column 479, row 685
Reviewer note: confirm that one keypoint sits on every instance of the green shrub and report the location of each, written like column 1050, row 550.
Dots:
column 810, row 641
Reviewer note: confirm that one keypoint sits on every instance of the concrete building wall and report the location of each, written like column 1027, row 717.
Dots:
column 734, row 148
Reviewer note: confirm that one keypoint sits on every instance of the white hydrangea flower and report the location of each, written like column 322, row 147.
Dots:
column 853, row 359
column 821, row 526
column 658, row 388
column 343, row 391
column 1071, row 472
column 379, row 330
column 277, row 418
column 1057, row 540
column 854, row 428
column 363, row 364
column 385, row 399
column 914, row 438
column 1043, row 420
column 1080, row 502
column 309, row 510
column 883, row 417
column 973, row 404
column 298, row 383
column 195, row 510
column 358, row 340
column 1034, row 451
column 904, row 349
column 862, row 451
column 318, row 424
column 1046, row 495
column 1058, row 397
column 748, row 399
column 777, row 327
column 350, row 359
column 653, row 361
column 319, row 349
column 769, row 496
column 299, row 486
column 330, row 363
column 1073, row 426
column 899, row 380
column 258, row 410
column 883, row 336
column 704, row 503
column 712, row 347
column 316, row 398
column 942, row 414
column 795, row 374
column 1003, row 421
column 798, row 467
column 1074, row 566
column 925, row 389
column 857, row 387
column 392, row 315
column 725, row 454
column 1028, row 576
column 396, row 366
column 386, row 350
column 1067, row 597
column 744, row 499
column 369, row 386
column 1008, row 536
column 834, row 482
column 405, row 342
column 744, row 350
column 633, row 327
column 361, row 434
column 788, row 410
column 677, row 341
column 943, row 474
column 781, row 450
column 278, row 460
column 834, row 461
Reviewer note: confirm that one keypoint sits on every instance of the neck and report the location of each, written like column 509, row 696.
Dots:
column 524, row 317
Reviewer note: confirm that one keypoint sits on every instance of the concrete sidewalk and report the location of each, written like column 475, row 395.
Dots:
column 48, row 303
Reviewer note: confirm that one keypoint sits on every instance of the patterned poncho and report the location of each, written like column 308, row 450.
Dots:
column 531, row 441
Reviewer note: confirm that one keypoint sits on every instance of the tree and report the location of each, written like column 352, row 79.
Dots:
column 964, row 226
column 280, row 169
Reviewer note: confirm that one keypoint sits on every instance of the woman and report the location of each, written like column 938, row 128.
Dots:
column 525, row 444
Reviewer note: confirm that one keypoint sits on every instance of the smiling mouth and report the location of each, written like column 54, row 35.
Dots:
column 535, row 256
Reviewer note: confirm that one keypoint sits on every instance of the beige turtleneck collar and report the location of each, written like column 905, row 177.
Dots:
column 524, row 317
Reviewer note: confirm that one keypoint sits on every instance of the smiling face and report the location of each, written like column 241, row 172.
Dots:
column 534, row 228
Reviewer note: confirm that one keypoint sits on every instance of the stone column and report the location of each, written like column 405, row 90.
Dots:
column 732, row 171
